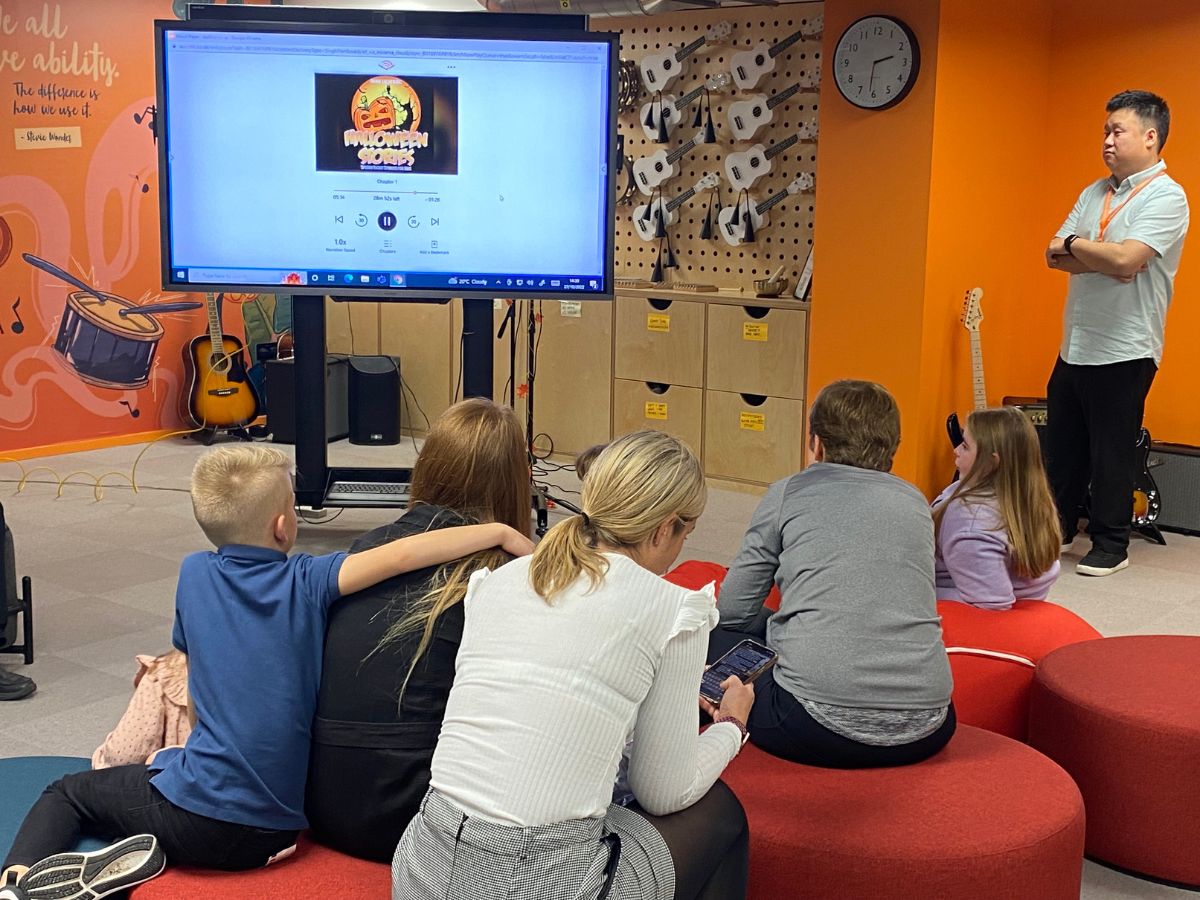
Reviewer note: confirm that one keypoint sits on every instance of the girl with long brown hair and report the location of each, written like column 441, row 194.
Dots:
column 390, row 650
column 998, row 536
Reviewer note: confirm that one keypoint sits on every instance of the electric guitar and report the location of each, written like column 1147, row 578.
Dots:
column 972, row 315
column 750, row 66
column 220, row 396
column 752, row 218
column 651, row 171
column 661, row 115
column 749, row 115
column 1146, row 504
column 648, row 216
column 659, row 70
column 746, row 167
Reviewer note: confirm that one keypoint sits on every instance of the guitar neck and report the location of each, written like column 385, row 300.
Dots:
column 783, row 95
column 977, row 370
column 688, row 98
column 771, row 201
column 776, row 49
column 214, row 319
column 688, row 49
column 678, row 152
column 682, row 198
column 781, row 146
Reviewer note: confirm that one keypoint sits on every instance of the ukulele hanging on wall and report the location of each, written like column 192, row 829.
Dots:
column 749, row 115
column 659, row 70
column 648, row 216
column 744, row 168
column 749, row 67
column 651, row 171
column 660, row 116
column 739, row 223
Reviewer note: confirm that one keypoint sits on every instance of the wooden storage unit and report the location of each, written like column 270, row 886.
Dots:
column 418, row 334
column 752, row 438
column 352, row 328
column 757, row 350
column 572, row 400
column 674, row 409
column 660, row 339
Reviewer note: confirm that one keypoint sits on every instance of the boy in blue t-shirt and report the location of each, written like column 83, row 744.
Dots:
column 252, row 621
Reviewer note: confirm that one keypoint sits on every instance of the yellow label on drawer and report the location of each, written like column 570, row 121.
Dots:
column 754, row 331
column 656, row 411
column 753, row 422
column 658, row 322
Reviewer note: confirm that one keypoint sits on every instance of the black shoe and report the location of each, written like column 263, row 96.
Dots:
column 84, row 876
column 1100, row 562
column 15, row 687
column 9, row 890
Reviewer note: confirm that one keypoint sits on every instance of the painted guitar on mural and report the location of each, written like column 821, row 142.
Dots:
column 220, row 395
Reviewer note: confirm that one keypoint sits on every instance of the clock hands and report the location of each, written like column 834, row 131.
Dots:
column 873, row 65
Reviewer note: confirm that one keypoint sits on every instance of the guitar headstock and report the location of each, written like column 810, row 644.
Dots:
column 708, row 182
column 698, row 137
column 719, row 82
column 972, row 313
column 805, row 181
column 717, row 32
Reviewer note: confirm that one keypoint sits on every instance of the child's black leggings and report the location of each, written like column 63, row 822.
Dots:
column 111, row 804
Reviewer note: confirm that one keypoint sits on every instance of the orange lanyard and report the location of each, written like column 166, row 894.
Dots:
column 1106, row 216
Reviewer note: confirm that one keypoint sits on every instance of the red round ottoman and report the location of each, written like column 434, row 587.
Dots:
column 993, row 654
column 1122, row 715
column 988, row 818
column 312, row 871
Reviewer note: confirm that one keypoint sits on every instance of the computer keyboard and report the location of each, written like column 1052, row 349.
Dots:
column 383, row 493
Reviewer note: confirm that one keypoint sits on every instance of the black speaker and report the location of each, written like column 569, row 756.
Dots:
column 374, row 400
column 281, row 399
column 1175, row 468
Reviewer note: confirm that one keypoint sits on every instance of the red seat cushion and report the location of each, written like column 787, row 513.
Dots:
column 696, row 573
column 1122, row 715
column 988, row 817
column 312, row 871
column 993, row 654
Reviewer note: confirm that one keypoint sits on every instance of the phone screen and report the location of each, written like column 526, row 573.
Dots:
column 747, row 660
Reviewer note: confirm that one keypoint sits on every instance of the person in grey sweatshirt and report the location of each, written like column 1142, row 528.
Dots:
column 862, row 679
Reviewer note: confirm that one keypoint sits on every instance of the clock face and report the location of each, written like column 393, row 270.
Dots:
column 876, row 62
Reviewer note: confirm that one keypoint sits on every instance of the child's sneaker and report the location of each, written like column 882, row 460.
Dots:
column 67, row 876
column 9, row 890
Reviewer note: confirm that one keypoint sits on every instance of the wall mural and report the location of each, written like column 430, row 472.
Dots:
column 89, row 345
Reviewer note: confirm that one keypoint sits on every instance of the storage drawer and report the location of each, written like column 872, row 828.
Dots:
column 752, row 438
column 757, row 350
column 674, row 409
column 660, row 341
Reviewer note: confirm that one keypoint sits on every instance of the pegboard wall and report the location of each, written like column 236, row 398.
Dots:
column 787, row 240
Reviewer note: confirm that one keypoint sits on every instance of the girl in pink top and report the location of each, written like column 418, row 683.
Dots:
column 157, row 715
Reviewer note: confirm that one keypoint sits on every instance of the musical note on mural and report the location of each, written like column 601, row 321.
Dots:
column 137, row 179
column 149, row 115
column 18, row 326
column 133, row 413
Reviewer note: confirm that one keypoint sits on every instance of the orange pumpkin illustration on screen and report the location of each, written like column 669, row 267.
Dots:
column 386, row 103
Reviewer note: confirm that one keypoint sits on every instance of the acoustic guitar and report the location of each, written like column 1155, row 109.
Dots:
column 220, row 395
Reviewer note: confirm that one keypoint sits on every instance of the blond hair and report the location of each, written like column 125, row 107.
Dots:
column 238, row 491
column 637, row 482
column 1008, row 467
column 858, row 423
column 475, row 463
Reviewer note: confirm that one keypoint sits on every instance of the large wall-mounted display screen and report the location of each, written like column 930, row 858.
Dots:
column 341, row 159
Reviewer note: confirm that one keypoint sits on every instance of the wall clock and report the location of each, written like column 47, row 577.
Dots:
column 876, row 62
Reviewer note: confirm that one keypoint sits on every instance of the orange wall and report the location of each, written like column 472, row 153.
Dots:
column 871, row 226
column 963, row 184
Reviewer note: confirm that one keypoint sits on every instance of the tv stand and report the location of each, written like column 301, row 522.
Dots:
column 315, row 479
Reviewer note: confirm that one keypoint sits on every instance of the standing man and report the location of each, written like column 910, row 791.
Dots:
column 1121, row 245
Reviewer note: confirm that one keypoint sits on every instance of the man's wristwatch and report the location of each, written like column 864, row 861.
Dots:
column 1067, row 242
column 741, row 726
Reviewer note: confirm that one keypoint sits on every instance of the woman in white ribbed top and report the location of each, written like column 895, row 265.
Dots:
column 562, row 654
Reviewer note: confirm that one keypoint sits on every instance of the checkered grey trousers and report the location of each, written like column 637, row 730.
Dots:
column 447, row 855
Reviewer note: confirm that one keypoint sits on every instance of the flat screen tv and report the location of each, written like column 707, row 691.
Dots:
column 386, row 162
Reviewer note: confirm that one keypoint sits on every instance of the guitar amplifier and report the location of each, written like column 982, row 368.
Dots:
column 1176, row 471
column 1033, row 407
column 281, row 399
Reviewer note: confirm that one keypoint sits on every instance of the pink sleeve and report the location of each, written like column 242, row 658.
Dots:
column 140, row 731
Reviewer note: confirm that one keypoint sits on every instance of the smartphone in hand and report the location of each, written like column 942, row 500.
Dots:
column 747, row 661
